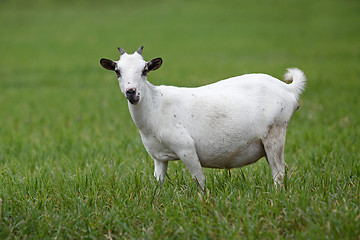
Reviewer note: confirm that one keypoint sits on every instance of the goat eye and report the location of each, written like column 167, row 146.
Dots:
column 117, row 73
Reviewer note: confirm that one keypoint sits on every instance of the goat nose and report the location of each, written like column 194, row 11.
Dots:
column 130, row 91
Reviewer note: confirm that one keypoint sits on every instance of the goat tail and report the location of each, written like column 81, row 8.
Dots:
column 297, row 79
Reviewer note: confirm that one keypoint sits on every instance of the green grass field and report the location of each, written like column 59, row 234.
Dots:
column 72, row 165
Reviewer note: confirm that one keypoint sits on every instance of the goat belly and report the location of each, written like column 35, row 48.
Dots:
column 239, row 156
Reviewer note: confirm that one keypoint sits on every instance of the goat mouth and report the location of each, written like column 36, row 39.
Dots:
column 133, row 99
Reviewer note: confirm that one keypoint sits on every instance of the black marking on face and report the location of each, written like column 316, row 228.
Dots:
column 118, row 74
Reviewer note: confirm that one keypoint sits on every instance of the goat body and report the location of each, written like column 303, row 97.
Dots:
column 227, row 124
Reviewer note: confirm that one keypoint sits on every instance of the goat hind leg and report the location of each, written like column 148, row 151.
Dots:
column 274, row 142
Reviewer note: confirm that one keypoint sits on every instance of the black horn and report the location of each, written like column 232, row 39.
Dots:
column 122, row 51
column 139, row 51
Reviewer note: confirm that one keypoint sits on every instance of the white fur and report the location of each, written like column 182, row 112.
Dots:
column 227, row 124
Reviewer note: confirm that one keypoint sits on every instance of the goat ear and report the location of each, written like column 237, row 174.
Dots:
column 152, row 65
column 108, row 64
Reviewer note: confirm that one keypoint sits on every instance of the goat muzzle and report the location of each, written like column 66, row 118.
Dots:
column 132, row 95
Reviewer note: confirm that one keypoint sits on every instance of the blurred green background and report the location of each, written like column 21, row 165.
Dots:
column 61, row 113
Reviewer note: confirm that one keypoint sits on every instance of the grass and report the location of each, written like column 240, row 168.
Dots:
column 72, row 165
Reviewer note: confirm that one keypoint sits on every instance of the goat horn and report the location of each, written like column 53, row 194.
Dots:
column 122, row 51
column 139, row 51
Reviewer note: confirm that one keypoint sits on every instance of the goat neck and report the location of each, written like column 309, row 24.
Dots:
column 143, row 112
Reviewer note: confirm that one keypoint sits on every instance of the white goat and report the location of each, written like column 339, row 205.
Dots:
column 227, row 124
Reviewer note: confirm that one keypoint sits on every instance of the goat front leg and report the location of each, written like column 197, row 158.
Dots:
column 160, row 170
column 189, row 157
column 183, row 145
